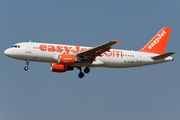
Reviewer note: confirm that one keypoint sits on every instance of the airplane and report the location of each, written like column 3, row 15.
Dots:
column 67, row 57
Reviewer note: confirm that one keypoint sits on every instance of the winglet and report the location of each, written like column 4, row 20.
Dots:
column 118, row 41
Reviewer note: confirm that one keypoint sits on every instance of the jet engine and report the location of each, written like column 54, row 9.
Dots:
column 66, row 59
column 60, row 68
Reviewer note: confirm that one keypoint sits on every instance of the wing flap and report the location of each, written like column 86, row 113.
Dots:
column 97, row 51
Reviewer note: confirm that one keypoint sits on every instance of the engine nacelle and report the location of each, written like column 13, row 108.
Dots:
column 60, row 68
column 67, row 59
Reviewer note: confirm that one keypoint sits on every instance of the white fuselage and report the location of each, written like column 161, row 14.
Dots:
column 115, row 58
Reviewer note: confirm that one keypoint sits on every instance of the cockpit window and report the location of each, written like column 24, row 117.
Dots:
column 16, row 46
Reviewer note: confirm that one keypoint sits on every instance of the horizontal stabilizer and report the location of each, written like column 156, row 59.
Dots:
column 163, row 56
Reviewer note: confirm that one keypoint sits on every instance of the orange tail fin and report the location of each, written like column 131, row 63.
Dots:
column 158, row 43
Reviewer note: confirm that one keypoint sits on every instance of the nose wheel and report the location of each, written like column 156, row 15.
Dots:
column 26, row 67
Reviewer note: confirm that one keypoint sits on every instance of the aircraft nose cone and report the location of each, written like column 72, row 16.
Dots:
column 7, row 52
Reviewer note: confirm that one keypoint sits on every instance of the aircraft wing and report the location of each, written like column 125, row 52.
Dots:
column 97, row 51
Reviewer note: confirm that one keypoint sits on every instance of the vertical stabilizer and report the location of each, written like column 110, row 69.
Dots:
column 158, row 43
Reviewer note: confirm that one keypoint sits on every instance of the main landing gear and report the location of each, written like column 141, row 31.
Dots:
column 26, row 67
column 81, row 74
column 86, row 70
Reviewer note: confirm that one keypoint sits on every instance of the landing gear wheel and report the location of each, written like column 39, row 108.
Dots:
column 81, row 75
column 86, row 70
column 26, row 68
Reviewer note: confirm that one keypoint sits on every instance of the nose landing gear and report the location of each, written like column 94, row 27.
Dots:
column 26, row 67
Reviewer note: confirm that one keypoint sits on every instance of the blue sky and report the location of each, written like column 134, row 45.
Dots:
column 150, row 92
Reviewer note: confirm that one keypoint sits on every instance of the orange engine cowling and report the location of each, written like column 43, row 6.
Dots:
column 67, row 59
column 60, row 68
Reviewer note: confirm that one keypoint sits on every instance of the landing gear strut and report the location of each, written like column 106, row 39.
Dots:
column 26, row 67
column 81, row 74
